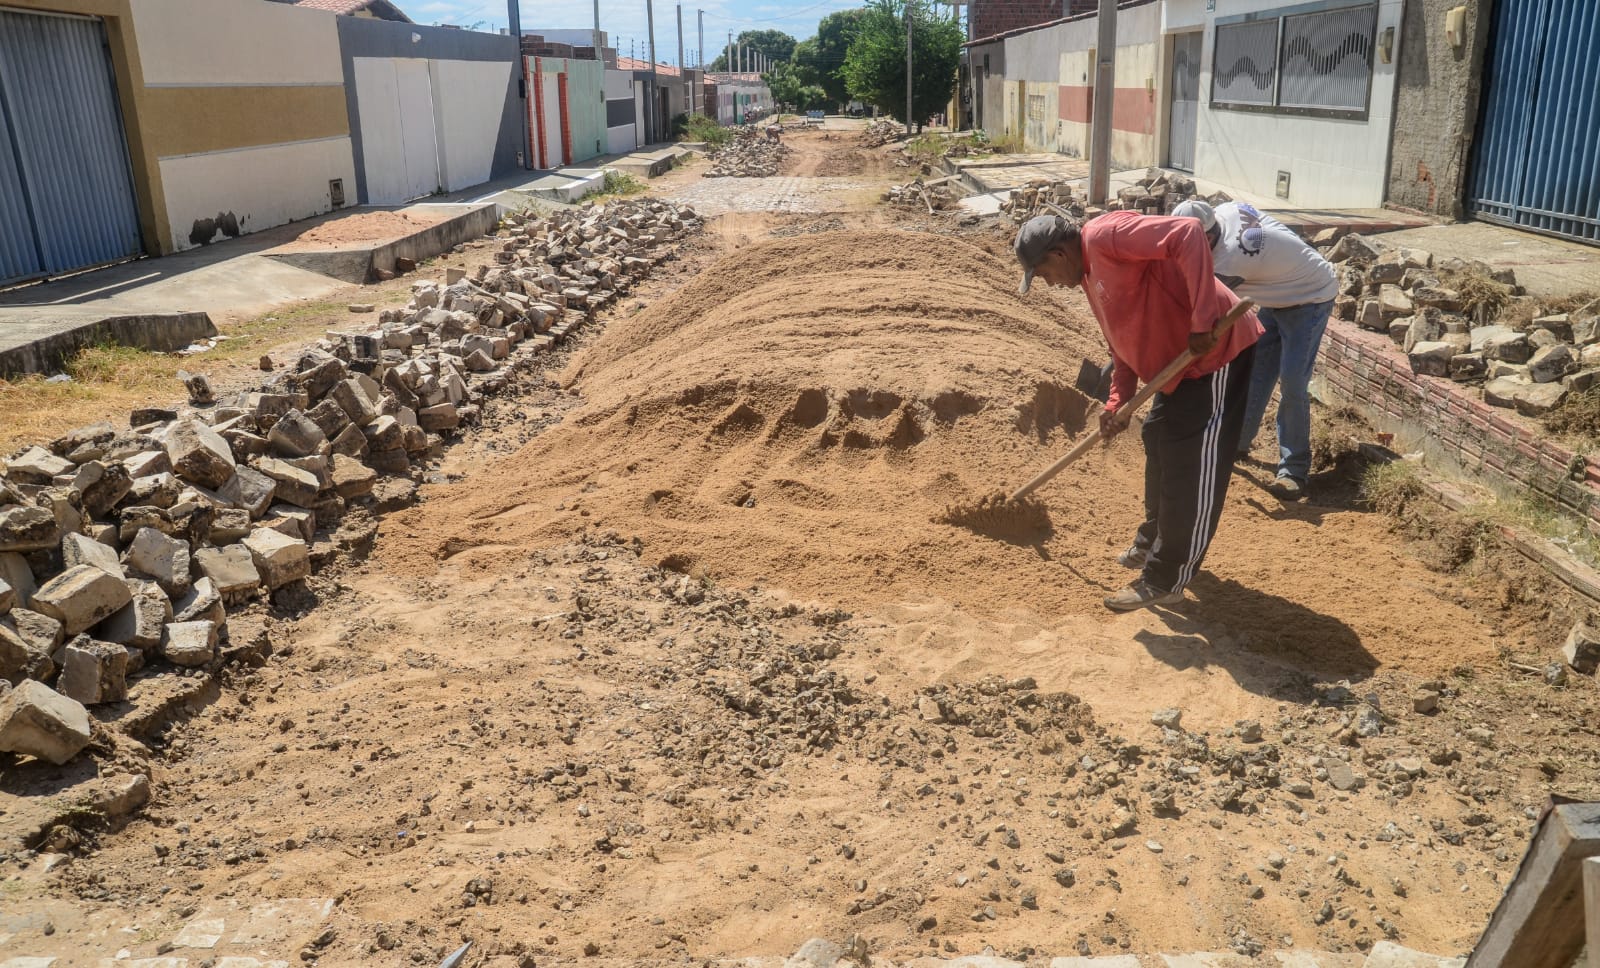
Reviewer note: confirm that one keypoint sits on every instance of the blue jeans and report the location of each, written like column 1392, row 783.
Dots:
column 1284, row 357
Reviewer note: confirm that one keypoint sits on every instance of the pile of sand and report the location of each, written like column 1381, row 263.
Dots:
column 798, row 416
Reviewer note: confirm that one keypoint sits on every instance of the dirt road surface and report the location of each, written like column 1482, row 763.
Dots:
column 673, row 663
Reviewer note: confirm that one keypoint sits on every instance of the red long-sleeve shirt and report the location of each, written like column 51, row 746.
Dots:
column 1150, row 284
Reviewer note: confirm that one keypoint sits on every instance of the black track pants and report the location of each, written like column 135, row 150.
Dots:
column 1190, row 438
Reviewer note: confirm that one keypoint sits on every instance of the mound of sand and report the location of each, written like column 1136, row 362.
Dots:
column 800, row 414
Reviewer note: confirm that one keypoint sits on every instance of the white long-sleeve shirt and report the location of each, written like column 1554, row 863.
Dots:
column 1275, row 267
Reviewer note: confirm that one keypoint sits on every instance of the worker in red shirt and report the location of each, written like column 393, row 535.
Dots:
column 1149, row 282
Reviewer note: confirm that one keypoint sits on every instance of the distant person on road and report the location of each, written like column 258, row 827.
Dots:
column 1150, row 283
column 1260, row 258
column 775, row 133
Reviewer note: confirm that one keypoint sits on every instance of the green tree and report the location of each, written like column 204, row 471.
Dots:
column 821, row 58
column 789, row 87
column 777, row 45
column 875, row 65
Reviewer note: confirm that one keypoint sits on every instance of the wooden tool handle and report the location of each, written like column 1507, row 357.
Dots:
column 1147, row 391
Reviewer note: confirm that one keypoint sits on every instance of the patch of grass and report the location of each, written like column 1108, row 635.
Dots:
column 617, row 185
column 1482, row 298
column 1388, row 488
column 701, row 128
column 1335, row 435
column 1577, row 418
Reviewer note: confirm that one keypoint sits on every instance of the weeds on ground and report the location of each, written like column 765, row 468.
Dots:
column 1577, row 417
column 617, row 185
column 1389, row 488
column 701, row 128
column 1482, row 298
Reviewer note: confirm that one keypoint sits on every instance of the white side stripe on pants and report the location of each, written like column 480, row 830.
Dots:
column 1209, row 460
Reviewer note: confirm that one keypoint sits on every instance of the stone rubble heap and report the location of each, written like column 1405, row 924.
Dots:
column 916, row 195
column 1157, row 193
column 748, row 155
column 124, row 550
column 1531, row 366
column 880, row 133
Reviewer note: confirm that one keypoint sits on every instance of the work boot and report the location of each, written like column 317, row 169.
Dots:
column 1141, row 594
column 1134, row 557
column 1288, row 488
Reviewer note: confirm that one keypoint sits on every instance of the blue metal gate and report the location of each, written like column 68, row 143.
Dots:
column 66, row 188
column 1536, row 163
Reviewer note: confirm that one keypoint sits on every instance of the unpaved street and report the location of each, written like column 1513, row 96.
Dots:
column 674, row 663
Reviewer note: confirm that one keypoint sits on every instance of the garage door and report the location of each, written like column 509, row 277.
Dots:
column 1536, row 163
column 66, row 188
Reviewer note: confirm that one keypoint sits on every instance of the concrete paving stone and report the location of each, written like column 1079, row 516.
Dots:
column 281, row 920
column 295, row 435
column 20, row 658
column 249, row 490
column 25, row 528
column 204, row 602
column 201, row 933
column 94, row 672
column 139, row 623
column 25, row 961
column 231, row 569
column 162, row 558
column 37, row 466
column 81, row 597
column 1110, row 961
column 279, row 558
column 80, row 549
column 39, row 631
column 815, row 953
column 38, row 721
column 15, row 572
column 1387, row 954
column 190, row 643
column 199, row 455
column 8, row 596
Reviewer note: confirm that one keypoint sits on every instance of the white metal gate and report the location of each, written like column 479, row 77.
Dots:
column 66, row 187
column 1183, row 123
column 399, row 145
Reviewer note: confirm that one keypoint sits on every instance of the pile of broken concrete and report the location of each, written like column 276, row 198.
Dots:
column 879, row 133
column 1156, row 193
column 937, row 197
column 122, row 551
column 748, row 155
column 1531, row 366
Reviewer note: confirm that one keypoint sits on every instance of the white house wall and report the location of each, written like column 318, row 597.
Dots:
column 275, row 191
column 1332, row 163
column 466, row 121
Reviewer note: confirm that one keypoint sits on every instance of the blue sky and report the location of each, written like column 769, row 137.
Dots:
column 625, row 20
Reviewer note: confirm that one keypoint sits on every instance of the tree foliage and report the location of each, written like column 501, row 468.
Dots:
column 821, row 58
column 875, row 64
column 777, row 45
column 789, row 87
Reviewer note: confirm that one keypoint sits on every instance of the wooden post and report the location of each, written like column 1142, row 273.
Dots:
column 1591, row 908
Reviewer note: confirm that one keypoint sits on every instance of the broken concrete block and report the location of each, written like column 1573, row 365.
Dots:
column 442, row 416
column 1353, row 247
column 1581, row 381
column 479, row 362
column 1467, row 366
column 292, row 484
column 80, row 549
column 351, row 442
column 1551, row 363
column 22, row 658
column 24, row 528
column 14, row 571
column 190, row 643
column 1394, row 302
column 37, row 466
column 203, row 602
column 1431, row 358
column 81, row 597
column 199, row 455
column 1424, row 327
column 94, row 672
column 1560, row 324
column 383, row 433
column 8, row 596
column 295, row 435
column 37, row 630
column 279, row 558
column 1529, row 399
column 302, row 523
column 329, row 417
column 139, row 623
column 357, row 403
column 351, row 478
column 199, row 388
column 35, row 720
column 1481, row 335
column 229, row 525
column 164, row 559
column 1582, row 649
column 102, row 486
column 156, row 491
column 249, row 490
column 1370, row 316
column 1512, row 348
column 232, row 570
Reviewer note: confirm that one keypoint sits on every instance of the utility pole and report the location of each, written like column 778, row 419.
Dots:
column 680, row 40
column 514, row 22
column 730, row 52
column 1105, row 74
column 597, row 43
column 700, row 47
column 908, row 68
column 655, row 85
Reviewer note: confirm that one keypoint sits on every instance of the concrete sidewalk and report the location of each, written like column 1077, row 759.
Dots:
column 168, row 302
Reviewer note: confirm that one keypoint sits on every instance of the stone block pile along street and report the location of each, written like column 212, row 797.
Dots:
column 593, row 609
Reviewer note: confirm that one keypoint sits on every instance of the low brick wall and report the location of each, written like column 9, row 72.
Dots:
column 1447, row 421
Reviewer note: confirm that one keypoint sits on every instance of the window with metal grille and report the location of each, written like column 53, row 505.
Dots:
column 1316, row 62
column 1244, row 61
column 1036, row 107
column 1327, row 59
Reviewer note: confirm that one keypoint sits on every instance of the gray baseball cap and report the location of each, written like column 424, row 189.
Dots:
column 1035, row 239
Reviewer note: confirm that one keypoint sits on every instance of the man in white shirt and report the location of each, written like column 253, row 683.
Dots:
column 1260, row 258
